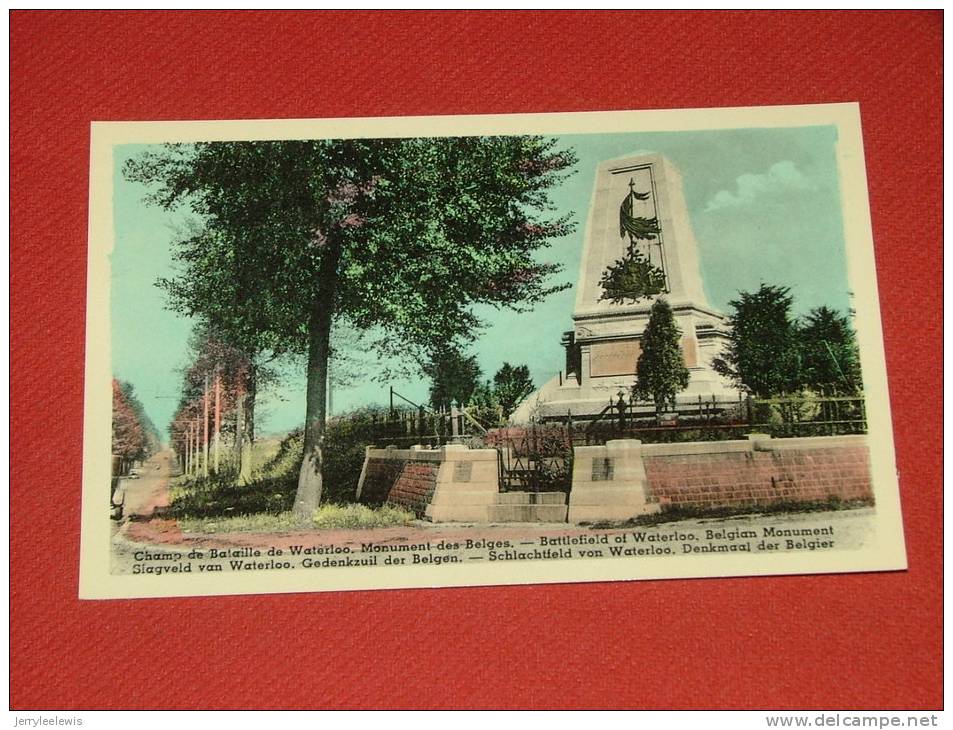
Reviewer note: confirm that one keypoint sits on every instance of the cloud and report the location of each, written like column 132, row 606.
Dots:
column 780, row 179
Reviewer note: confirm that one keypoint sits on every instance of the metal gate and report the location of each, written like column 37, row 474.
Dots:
column 535, row 458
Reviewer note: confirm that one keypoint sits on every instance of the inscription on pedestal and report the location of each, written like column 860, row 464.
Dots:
column 617, row 357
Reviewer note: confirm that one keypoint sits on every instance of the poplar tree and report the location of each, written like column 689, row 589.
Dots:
column 660, row 371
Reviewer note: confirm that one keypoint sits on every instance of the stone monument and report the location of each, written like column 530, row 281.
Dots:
column 638, row 224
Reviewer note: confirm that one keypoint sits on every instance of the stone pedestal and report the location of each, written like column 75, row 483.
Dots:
column 467, row 484
column 609, row 483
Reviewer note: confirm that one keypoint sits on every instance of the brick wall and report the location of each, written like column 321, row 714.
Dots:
column 407, row 484
column 452, row 483
column 759, row 474
column 414, row 487
column 379, row 477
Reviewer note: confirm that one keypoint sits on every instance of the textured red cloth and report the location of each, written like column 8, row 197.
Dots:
column 848, row 641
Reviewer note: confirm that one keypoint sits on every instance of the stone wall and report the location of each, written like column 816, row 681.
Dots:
column 759, row 472
column 452, row 483
column 626, row 479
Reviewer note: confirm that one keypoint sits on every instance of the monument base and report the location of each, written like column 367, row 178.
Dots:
column 601, row 356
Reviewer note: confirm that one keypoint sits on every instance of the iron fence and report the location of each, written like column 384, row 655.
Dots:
column 713, row 419
column 539, row 457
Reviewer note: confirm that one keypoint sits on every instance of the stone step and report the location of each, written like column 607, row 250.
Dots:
column 527, row 512
column 531, row 498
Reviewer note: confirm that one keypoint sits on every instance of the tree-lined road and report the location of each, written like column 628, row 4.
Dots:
column 151, row 490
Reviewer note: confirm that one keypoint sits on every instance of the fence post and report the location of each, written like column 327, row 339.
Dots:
column 454, row 427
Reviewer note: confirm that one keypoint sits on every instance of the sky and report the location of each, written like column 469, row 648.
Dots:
column 764, row 205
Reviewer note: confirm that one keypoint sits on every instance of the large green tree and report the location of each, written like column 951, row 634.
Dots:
column 660, row 370
column 762, row 353
column 511, row 385
column 453, row 378
column 830, row 360
column 398, row 237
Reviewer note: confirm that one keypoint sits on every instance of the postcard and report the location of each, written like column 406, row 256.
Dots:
column 419, row 352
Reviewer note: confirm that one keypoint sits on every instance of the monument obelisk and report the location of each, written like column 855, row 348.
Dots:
column 637, row 213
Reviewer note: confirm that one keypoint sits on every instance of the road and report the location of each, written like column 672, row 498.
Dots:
column 143, row 496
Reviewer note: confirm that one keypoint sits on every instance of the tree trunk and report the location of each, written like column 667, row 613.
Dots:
column 239, row 425
column 319, row 348
column 247, row 416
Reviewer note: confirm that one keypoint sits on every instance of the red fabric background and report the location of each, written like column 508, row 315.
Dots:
column 848, row 641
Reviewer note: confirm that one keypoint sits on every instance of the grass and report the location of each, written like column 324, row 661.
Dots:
column 220, row 497
column 360, row 517
column 327, row 517
column 263, row 522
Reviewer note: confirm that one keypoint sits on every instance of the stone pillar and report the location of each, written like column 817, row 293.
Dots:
column 467, row 485
column 609, row 483
column 360, row 481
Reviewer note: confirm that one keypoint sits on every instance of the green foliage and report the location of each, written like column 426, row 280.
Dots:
column 772, row 354
column 345, row 440
column 153, row 441
column 830, row 360
column 260, row 522
column 400, row 234
column 453, row 378
column 286, row 459
column 271, row 491
column 493, row 401
column 762, row 352
column 328, row 517
column 273, row 487
column 360, row 517
column 484, row 406
column 401, row 237
column 660, row 370
column 220, row 495
column 510, row 386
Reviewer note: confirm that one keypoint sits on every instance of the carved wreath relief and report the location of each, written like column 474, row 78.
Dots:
column 640, row 273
